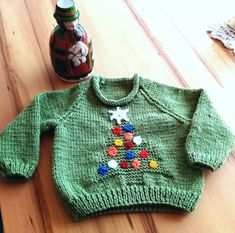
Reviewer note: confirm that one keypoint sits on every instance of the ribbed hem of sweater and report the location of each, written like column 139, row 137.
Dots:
column 133, row 199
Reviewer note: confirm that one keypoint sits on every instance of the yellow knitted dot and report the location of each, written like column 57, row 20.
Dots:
column 153, row 164
column 118, row 142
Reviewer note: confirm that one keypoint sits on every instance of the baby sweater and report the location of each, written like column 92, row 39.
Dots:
column 120, row 145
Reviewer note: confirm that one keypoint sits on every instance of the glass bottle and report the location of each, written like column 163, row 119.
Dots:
column 71, row 48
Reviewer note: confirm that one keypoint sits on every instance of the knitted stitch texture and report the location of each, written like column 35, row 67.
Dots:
column 120, row 145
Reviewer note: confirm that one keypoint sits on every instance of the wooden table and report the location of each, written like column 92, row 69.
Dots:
column 161, row 40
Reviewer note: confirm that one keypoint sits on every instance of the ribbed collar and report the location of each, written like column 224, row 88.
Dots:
column 98, row 81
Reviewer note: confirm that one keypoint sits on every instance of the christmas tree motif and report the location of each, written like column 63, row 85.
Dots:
column 125, row 150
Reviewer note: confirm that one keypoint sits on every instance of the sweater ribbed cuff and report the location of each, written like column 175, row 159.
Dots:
column 16, row 170
column 204, row 161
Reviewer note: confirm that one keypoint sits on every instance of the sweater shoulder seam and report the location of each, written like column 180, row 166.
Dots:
column 163, row 107
column 68, row 114
column 45, row 125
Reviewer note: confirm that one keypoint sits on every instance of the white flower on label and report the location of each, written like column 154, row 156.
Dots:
column 113, row 164
column 78, row 53
column 119, row 115
column 137, row 140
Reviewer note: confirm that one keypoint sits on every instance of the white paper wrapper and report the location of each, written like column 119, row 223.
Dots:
column 225, row 32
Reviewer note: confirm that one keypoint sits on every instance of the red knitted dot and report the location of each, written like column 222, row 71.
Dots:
column 117, row 130
column 128, row 145
column 144, row 154
column 124, row 164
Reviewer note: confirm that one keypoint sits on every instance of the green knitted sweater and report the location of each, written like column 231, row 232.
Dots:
column 120, row 145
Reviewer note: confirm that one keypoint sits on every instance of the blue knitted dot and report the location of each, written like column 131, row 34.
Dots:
column 130, row 154
column 102, row 170
column 128, row 128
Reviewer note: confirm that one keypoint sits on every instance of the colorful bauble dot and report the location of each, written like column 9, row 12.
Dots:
column 129, row 145
column 102, row 170
column 112, row 151
column 137, row 140
column 144, row 154
column 128, row 128
column 117, row 130
column 153, row 164
column 128, row 136
column 113, row 164
column 124, row 164
column 130, row 154
column 135, row 164
column 118, row 142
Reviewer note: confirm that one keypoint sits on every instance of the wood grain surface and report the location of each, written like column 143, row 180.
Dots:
column 162, row 40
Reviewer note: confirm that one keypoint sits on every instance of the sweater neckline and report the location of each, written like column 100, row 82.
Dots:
column 98, row 81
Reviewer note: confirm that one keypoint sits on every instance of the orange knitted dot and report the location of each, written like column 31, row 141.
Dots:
column 135, row 164
column 128, row 136
column 112, row 151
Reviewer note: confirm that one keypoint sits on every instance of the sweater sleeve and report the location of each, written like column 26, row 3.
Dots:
column 20, row 140
column 209, row 141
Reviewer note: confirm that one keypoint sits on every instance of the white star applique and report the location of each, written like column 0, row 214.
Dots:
column 119, row 114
